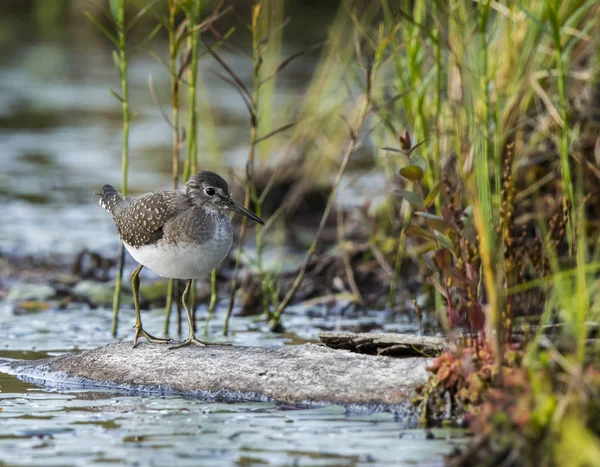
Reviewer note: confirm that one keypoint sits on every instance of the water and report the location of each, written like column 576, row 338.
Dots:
column 60, row 139
column 45, row 428
column 41, row 426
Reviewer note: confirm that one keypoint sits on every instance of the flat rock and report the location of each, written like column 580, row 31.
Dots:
column 289, row 374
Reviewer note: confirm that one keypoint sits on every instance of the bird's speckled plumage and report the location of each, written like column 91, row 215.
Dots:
column 181, row 234
column 173, row 233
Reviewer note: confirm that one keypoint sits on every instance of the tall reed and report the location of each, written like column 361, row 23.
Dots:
column 117, row 11
column 174, row 7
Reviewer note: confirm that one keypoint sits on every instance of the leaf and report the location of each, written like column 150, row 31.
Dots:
column 444, row 241
column 413, row 198
column 115, row 7
column 414, row 231
column 392, row 150
column 116, row 60
column 412, row 172
column 459, row 279
column 419, row 161
column 442, row 258
column 476, row 316
column 447, row 214
column 102, row 28
column 433, row 194
column 436, row 222
column 114, row 93
column 438, row 287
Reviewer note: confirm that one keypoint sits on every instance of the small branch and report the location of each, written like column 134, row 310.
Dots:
column 346, row 258
column 228, row 69
column 274, row 132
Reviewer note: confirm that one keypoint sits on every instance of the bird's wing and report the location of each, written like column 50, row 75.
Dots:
column 140, row 220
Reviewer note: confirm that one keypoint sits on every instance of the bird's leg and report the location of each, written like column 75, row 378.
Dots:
column 139, row 330
column 192, row 337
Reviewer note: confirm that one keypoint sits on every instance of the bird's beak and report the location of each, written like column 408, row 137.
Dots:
column 233, row 205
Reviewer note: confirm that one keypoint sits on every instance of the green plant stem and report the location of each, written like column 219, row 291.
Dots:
column 191, row 163
column 567, row 180
column 398, row 260
column 173, row 4
column 125, row 154
column 249, row 190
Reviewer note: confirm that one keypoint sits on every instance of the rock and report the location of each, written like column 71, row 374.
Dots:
column 35, row 292
column 288, row 374
column 389, row 344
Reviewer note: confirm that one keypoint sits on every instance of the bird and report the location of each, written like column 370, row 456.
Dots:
column 178, row 234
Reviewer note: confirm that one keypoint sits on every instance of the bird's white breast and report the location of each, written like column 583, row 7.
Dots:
column 185, row 260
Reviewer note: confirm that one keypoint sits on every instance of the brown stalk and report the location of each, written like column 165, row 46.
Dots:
column 344, row 163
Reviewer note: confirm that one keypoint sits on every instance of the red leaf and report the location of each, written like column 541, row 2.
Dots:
column 476, row 316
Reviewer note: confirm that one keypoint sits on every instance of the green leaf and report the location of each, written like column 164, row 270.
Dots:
column 437, row 222
column 119, row 98
column 102, row 28
column 413, row 198
column 419, row 161
column 412, row 172
column 438, row 287
column 444, row 241
column 433, row 194
column 414, row 231
column 116, row 7
column 116, row 59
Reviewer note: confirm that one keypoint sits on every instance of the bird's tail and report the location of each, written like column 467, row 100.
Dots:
column 111, row 199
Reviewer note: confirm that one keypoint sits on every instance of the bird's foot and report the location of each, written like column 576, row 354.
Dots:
column 139, row 332
column 193, row 341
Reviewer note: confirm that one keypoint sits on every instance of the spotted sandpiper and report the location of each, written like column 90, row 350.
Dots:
column 180, row 234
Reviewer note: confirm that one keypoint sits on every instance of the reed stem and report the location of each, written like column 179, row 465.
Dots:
column 122, row 67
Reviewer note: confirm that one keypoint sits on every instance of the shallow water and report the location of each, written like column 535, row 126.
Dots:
column 45, row 428
column 42, row 426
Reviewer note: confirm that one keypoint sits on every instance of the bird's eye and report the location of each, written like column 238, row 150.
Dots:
column 210, row 191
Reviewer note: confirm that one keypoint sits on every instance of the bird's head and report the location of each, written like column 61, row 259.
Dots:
column 209, row 190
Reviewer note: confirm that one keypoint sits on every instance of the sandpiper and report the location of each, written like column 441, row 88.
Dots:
column 180, row 234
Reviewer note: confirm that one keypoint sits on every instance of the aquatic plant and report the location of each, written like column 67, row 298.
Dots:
column 120, row 57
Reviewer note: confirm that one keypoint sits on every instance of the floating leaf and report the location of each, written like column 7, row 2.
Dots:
column 419, row 161
column 442, row 258
column 414, row 231
column 433, row 194
column 412, row 172
column 413, row 198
